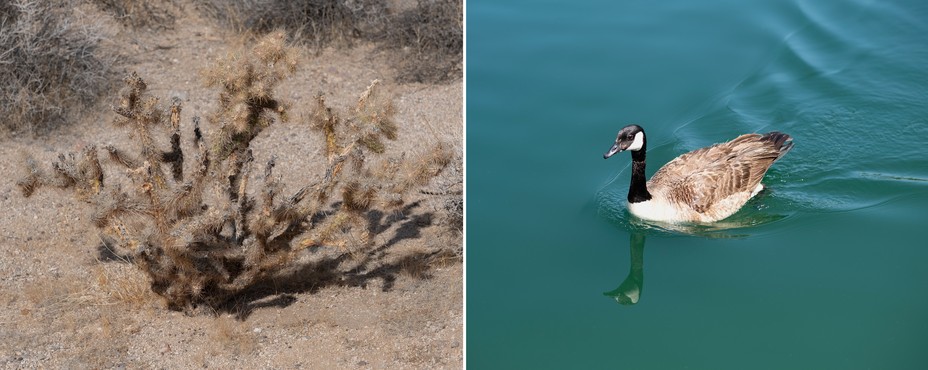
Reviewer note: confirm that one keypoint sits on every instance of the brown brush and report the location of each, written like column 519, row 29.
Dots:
column 204, row 236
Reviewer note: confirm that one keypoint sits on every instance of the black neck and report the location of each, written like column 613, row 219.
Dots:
column 638, row 190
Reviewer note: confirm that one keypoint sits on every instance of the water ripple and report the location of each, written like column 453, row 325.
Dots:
column 858, row 125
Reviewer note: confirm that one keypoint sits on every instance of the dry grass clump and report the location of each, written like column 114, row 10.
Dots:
column 232, row 336
column 205, row 232
column 51, row 63
column 159, row 14
column 118, row 283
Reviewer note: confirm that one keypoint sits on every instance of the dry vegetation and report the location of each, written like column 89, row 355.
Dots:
column 142, row 14
column 428, row 38
column 308, row 227
column 434, row 32
column 318, row 22
column 53, row 67
column 205, row 230
column 51, row 64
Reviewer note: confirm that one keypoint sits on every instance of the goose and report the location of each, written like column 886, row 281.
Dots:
column 704, row 185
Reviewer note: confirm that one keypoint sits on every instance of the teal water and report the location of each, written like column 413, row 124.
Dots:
column 828, row 268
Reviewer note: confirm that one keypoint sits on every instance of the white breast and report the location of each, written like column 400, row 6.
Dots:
column 657, row 210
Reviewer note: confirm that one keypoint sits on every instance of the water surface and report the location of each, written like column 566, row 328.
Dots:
column 827, row 268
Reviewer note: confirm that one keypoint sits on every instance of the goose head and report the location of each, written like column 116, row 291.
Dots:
column 630, row 138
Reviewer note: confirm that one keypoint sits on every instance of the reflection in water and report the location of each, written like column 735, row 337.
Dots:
column 629, row 292
column 733, row 227
column 740, row 225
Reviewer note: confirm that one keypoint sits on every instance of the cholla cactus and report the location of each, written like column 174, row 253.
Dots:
column 200, row 235
column 246, row 101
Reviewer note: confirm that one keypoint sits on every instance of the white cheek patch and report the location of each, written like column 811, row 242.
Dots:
column 637, row 143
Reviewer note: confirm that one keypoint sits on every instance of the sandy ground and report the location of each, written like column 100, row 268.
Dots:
column 392, row 305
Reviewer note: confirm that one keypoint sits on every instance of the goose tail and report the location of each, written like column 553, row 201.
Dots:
column 779, row 140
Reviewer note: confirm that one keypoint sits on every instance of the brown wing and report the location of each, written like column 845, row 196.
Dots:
column 705, row 176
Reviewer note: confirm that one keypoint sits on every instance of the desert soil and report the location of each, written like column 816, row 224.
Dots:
column 397, row 304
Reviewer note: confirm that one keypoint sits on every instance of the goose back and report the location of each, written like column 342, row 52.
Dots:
column 712, row 183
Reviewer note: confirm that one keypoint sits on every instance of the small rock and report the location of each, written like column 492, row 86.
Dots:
column 165, row 349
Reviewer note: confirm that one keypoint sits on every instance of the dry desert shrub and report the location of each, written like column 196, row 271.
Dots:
column 433, row 25
column 434, row 32
column 207, row 231
column 320, row 22
column 51, row 63
column 431, row 33
column 159, row 14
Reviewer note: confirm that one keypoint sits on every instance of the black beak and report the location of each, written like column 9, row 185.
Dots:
column 613, row 150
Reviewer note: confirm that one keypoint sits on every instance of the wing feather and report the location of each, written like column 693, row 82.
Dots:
column 704, row 177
